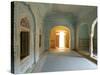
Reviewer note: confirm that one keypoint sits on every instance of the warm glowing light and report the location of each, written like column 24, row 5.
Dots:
column 61, row 40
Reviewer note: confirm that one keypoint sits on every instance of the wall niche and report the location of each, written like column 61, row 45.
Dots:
column 24, row 38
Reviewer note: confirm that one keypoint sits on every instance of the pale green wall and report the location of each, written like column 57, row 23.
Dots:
column 84, row 37
column 84, row 31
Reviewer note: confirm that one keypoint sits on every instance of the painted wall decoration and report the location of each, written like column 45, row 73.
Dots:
column 24, row 22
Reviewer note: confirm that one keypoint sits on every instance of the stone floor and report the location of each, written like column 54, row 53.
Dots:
column 52, row 62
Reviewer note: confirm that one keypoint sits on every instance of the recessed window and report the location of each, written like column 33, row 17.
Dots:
column 24, row 44
column 40, row 40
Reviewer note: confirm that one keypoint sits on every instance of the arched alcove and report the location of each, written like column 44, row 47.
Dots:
column 60, row 37
column 24, row 38
column 83, row 39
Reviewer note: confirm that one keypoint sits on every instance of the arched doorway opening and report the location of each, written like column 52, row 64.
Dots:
column 60, row 39
column 83, row 38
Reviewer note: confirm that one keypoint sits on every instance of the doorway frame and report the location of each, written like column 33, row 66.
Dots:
column 67, row 29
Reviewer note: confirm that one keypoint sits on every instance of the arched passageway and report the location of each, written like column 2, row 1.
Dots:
column 60, row 39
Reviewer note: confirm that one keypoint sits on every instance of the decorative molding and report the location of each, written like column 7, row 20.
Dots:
column 24, row 22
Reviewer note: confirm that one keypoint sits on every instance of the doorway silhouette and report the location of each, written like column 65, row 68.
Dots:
column 60, row 39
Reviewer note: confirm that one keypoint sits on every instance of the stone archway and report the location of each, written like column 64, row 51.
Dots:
column 60, row 39
column 91, row 37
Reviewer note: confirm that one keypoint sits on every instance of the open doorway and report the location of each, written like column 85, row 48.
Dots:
column 60, row 39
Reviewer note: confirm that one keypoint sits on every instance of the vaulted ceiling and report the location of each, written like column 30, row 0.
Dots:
column 78, row 10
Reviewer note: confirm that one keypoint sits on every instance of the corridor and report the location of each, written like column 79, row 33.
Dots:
column 48, row 37
column 63, row 62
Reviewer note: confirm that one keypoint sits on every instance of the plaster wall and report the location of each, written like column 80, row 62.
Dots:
column 35, row 13
column 21, row 10
column 39, row 11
